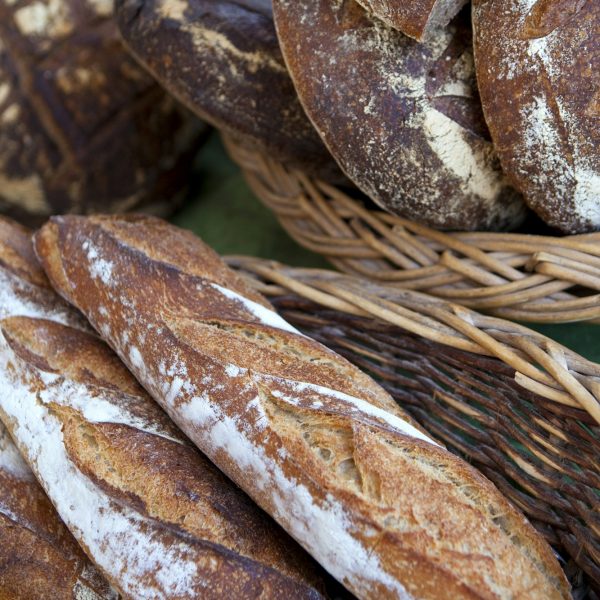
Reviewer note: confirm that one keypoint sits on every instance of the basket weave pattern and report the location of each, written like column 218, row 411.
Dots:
column 535, row 434
column 514, row 276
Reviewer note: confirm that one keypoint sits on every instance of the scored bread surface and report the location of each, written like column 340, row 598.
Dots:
column 403, row 119
column 383, row 507
column 155, row 516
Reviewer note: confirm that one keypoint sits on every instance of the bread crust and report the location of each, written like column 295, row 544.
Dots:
column 403, row 119
column 538, row 68
column 156, row 517
column 82, row 126
column 386, row 510
column 222, row 60
column 415, row 18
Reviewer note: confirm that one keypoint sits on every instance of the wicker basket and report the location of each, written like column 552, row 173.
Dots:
column 515, row 276
column 521, row 408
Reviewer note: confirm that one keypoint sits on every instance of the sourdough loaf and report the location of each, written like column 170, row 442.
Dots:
column 222, row 59
column 315, row 442
column 82, row 127
column 38, row 556
column 403, row 119
column 538, row 67
column 155, row 516
column 415, row 18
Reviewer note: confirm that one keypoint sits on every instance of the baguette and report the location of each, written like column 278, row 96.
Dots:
column 314, row 441
column 157, row 518
column 39, row 558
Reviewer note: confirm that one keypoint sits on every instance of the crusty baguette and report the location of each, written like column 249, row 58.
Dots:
column 538, row 69
column 415, row 18
column 39, row 558
column 402, row 119
column 386, row 510
column 154, row 515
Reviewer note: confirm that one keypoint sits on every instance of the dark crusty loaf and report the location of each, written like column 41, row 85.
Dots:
column 82, row 127
column 415, row 18
column 403, row 119
column 222, row 59
column 155, row 516
column 38, row 556
column 313, row 440
column 538, row 67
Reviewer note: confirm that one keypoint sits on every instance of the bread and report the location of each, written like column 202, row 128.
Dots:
column 415, row 18
column 82, row 127
column 538, row 67
column 403, row 119
column 156, row 517
column 38, row 556
column 314, row 441
column 222, row 59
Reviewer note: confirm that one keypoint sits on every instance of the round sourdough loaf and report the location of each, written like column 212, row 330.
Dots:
column 538, row 66
column 82, row 127
column 403, row 119
column 415, row 18
column 222, row 59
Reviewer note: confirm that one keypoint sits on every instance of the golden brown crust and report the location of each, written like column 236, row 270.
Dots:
column 141, row 471
column 538, row 69
column 384, row 510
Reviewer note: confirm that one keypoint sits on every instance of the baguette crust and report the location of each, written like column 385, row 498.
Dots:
column 386, row 510
column 538, row 68
column 156, row 517
column 222, row 60
column 403, row 119
column 416, row 18
column 39, row 558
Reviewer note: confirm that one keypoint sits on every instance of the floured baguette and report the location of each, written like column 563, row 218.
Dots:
column 38, row 556
column 315, row 442
column 154, row 515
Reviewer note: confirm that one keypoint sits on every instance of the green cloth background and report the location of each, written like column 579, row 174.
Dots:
column 222, row 210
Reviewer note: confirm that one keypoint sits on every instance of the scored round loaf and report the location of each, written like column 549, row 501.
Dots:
column 222, row 60
column 403, row 119
column 82, row 127
column 538, row 66
column 415, row 18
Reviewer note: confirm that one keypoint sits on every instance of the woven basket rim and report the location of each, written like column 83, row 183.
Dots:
column 516, row 276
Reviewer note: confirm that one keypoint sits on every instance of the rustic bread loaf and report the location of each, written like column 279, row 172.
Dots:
column 38, row 556
column 415, row 18
column 403, row 119
column 155, row 516
column 82, row 127
column 384, row 508
column 222, row 59
column 538, row 67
